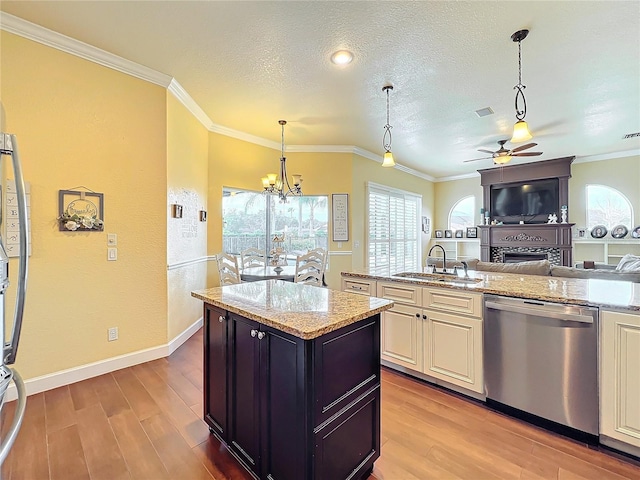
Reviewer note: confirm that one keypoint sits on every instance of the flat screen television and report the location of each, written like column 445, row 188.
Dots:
column 531, row 202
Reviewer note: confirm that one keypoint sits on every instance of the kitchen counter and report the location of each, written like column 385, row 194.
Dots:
column 590, row 292
column 304, row 311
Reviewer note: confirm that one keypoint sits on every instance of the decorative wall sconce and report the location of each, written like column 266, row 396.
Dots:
column 203, row 215
column 176, row 210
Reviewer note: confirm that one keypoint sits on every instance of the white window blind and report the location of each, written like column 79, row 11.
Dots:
column 393, row 230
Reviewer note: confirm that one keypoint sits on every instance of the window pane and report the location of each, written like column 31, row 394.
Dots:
column 244, row 221
column 607, row 206
column 303, row 220
column 393, row 231
column 462, row 214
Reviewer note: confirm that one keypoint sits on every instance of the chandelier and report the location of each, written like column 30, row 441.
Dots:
column 387, row 160
column 520, row 129
column 279, row 185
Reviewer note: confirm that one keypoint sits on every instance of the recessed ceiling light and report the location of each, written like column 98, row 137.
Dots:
column 342, row 57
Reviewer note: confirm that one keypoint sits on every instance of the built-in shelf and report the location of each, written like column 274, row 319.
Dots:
column 457, row 248
column 604, row 250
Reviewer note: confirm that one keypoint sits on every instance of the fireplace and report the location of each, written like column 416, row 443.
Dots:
column 513, row 257
column 501, row 243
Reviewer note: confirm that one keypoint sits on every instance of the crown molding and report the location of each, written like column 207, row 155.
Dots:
column 247, row 137
column 37, row 33
column 18, row 26
column 415, row 173
column 607, row 156
column 457, row 177
column 190, row 104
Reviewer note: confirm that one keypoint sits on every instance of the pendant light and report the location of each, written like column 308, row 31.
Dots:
column 279, row 185
column 387, row 159
column 520, row 129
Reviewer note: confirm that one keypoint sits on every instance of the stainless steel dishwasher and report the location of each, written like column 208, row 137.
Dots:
column 541, row 363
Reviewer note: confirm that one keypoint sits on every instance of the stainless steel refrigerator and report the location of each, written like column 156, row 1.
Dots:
column 10, row 339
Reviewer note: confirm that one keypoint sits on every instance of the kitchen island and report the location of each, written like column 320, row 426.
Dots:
column 292, row 378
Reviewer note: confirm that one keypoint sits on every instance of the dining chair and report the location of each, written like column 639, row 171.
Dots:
column 228, row 269
column 310, row 267
column 252, row 257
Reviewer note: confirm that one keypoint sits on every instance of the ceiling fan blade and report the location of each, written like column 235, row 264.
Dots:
column 486, row 151
column 527, row 154
column 477, row 159
column 523, row 147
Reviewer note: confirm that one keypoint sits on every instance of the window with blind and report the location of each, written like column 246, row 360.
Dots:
column 394, row 223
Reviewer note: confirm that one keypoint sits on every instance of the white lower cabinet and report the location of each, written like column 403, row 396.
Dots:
column 620, row 377
column 401, row 331
column 401, row 336
column 453, row 349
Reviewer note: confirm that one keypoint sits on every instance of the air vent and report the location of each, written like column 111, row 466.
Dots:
column 483, row 112
column 631, row 135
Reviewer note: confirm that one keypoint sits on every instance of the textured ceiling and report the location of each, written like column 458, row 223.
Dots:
column 249, row 64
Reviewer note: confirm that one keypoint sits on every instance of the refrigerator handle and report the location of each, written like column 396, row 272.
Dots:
column 11, row 348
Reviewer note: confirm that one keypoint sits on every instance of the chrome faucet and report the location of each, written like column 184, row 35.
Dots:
column 465, row 266
column 444, row 258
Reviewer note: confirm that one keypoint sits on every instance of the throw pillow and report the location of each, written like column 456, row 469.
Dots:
column 533, row 267
column 629, row 263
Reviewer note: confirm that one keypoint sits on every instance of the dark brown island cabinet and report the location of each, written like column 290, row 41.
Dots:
column 292, row 408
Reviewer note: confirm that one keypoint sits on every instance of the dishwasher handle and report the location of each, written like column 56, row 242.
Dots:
column 544, row 310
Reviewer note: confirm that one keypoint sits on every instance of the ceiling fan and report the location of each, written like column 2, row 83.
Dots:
column 503, row 155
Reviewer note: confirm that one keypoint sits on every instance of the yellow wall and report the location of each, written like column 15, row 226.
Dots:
column 187, row 169
column 449, row 193
column 239, row 164
column 623, row 174
column 78, row 123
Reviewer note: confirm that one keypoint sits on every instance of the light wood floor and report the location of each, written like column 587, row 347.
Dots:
column 144, row 422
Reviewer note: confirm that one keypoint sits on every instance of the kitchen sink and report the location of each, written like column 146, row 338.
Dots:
column 438, row 277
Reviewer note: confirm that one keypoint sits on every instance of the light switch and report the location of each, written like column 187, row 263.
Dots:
column 112, row 239
column 112, row 254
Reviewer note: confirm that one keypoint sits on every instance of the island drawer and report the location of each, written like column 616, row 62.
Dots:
column 400, row 292
column 360, row 285
column 454, row 301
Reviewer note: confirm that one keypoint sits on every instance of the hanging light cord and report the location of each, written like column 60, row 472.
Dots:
column 387, row 128
column 520, row 114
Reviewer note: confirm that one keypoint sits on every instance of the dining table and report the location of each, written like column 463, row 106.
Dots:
column 268, row 272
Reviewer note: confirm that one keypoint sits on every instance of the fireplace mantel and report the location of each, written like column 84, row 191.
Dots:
column 536, row 237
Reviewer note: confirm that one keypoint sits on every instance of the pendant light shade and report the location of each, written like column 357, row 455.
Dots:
column 521, row 132
column 387, row 159
column 520, row 129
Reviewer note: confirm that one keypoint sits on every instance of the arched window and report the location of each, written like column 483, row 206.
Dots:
column 607, row 206
column 462, row 214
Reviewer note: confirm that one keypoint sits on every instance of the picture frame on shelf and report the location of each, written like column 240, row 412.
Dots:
column 472, row 232
column 438, row 233
column 448, row 234
column 459, row 234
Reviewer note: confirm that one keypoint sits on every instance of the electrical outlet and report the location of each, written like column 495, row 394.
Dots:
column 113, row 333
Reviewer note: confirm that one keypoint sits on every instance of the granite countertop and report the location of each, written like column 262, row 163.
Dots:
column 578, row 291
column 304, row 311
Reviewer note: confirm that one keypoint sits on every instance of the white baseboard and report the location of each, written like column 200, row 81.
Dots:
column 90, row 370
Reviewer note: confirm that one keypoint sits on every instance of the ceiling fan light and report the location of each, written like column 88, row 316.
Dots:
column 387, row 160
column 521, row 132
column 502, row 159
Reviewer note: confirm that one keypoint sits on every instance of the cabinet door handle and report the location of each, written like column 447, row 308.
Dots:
column 417, row 315
column 424, row 317
column 261, row 335
column 254, row 333
column 221, row 319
